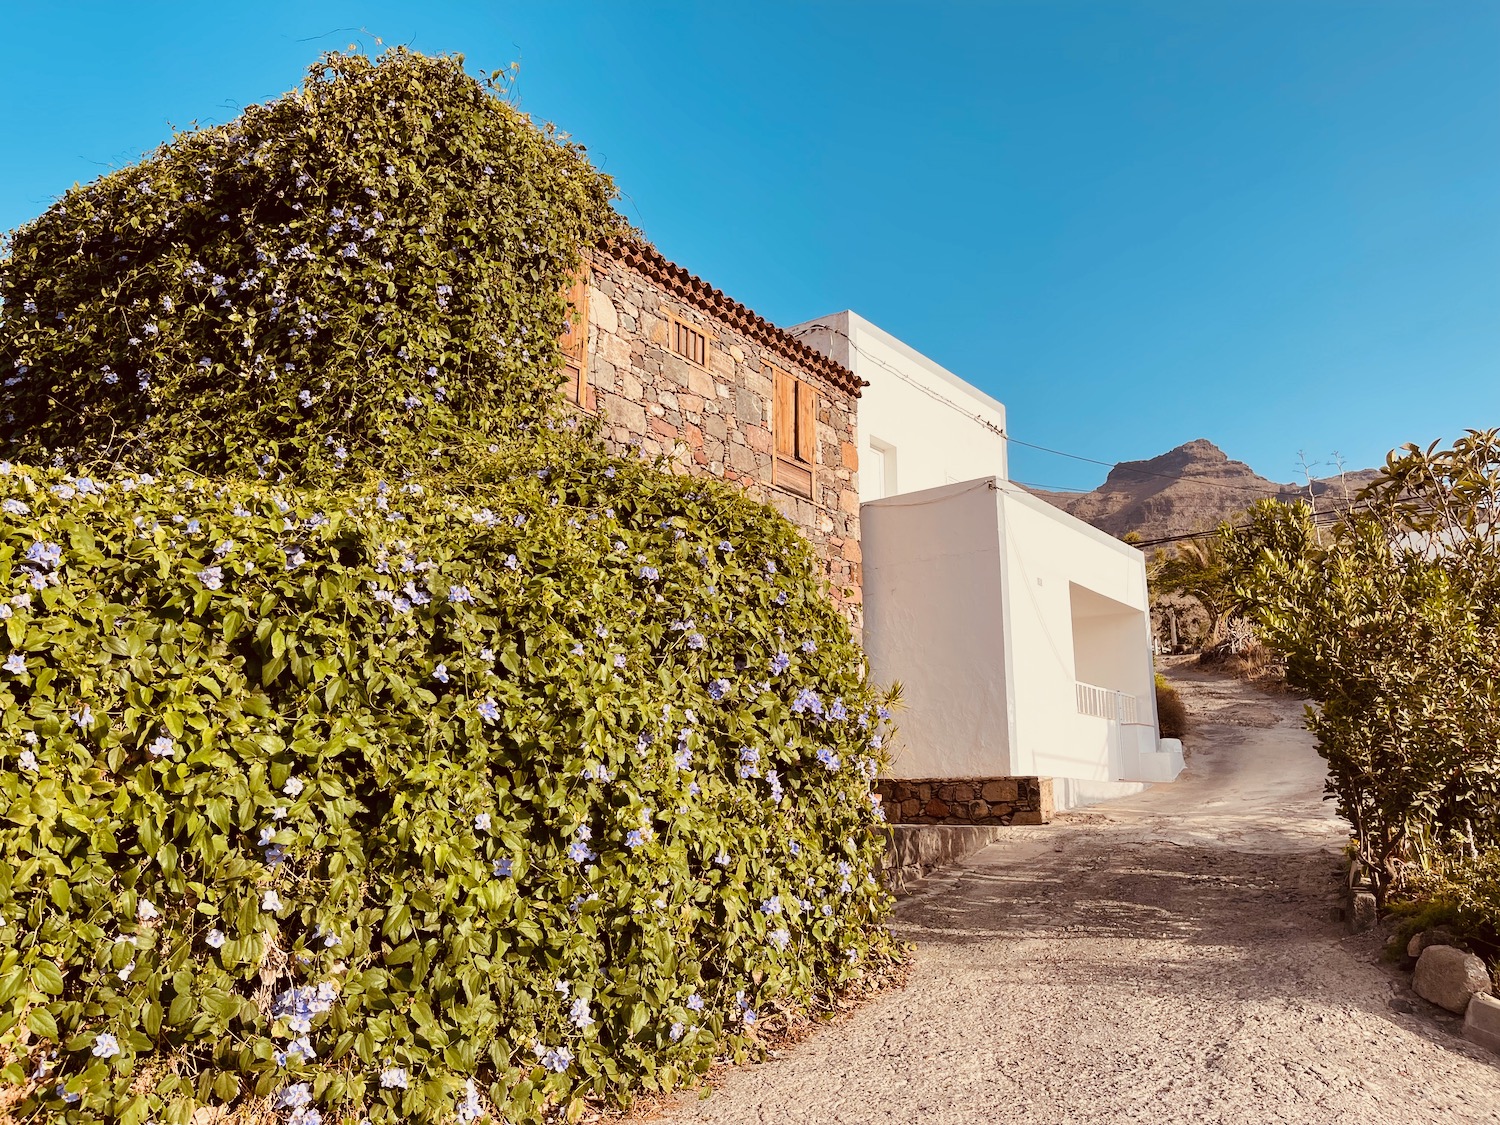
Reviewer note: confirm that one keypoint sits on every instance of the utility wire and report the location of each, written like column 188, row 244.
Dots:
column 1210, row 482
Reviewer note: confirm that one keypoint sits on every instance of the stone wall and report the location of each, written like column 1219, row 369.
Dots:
column 716, row 418
column 967, row 800
column 915, row 851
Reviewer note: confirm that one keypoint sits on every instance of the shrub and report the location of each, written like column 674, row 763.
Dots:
column 357, row 274
column 408, row 803
column 1391, row 622
column 1461, row 891
column 1171, row 715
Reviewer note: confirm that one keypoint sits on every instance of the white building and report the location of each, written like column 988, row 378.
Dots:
column 1021, row 635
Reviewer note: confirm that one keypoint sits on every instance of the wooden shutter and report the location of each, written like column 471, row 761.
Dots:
column 784, row 421
column 807, row 422
column 575, row 344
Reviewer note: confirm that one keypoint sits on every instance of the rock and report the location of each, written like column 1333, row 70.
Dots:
column 1448, row 977
column 1482, row 1024
column 1438, row 935
column 1362, row 910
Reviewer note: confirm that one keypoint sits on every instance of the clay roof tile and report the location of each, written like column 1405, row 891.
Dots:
column 647, row 260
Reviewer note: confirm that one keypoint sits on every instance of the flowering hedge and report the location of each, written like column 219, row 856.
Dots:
column 356, row 274
column 404, row 804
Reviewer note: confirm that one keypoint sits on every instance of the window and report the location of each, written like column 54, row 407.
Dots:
column 688, row 341
column 574, row 342
column 794, row 424
column 878, row 476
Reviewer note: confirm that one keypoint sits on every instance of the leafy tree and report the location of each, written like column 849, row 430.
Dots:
column 1393, row 627
column 1196, row 570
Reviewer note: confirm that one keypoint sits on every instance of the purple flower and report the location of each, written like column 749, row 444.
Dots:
column 489, row 711
column 807, row 700
column 634, row 838
column 718, row 689
column 579, row 852
column 829, row 759
column 780, row 663
column 503, row 867
column 696, row 641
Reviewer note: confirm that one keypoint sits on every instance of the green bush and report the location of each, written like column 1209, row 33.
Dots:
column 1463, row 892
column 357, row 274
column 381, row 786
column 393, row 752
column 1171, row 715
column 1391, row 622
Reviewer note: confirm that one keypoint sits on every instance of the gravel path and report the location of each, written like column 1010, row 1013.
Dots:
column 1165, row 958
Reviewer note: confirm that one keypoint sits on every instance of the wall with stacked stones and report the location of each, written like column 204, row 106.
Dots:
column 967, row 800
column 716, row 419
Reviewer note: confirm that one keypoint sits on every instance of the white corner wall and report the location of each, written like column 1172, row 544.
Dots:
column 1056, row 566
column 934, row 620
column 922, row 425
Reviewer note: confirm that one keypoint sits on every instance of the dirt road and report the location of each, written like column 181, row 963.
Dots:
column 1167, row 958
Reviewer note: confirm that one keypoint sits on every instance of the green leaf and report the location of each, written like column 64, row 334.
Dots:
column 46, row 977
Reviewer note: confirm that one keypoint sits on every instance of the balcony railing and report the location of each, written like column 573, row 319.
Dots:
column 1102, row 703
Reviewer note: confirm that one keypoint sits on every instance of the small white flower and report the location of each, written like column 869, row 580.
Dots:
column 393, row 1078
column 106, row 1046
column 215, row 938
column 28, row 761
column 270, row 902
column 15, row 663
column 482, row 822
column 293, row 786
column 124, row 974
column 145, row 910
column 163, row 747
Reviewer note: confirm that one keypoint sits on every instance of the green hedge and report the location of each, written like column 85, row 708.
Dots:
column 404, row 802
column 356, row 274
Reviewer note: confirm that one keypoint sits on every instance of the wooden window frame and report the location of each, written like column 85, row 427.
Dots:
column 794, row 432
column 574, row 343
column 676, row 325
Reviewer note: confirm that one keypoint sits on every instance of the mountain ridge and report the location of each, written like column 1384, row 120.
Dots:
column 1190, row 488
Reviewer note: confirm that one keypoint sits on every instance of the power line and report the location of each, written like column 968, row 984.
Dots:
column 1003, row 434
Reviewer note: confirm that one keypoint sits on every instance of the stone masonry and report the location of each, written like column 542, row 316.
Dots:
column 967, row 800
column 715, row 417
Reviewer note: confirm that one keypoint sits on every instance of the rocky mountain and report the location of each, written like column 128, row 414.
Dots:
column 1191, row 488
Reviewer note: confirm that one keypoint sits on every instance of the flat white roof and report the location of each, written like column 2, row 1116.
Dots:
column 855, row 322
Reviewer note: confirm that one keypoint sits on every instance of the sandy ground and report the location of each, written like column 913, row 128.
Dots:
column 1165, row 958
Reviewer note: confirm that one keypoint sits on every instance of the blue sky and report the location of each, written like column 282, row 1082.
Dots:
column 1274, row 225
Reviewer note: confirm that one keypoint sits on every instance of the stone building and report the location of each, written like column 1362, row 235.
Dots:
column 680, row 370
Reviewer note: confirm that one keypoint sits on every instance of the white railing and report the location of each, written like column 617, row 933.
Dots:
column 1102, row 703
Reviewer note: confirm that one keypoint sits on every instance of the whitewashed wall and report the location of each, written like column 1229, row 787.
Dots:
column 934, row 620
column 978, row 597
column 920, row 426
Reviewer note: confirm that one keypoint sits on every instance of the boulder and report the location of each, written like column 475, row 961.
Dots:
column 1448, row 977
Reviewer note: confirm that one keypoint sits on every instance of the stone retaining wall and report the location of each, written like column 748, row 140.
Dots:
column 967, row 800
column 914, row 851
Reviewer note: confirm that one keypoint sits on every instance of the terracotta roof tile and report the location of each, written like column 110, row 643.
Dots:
column 647, row 260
